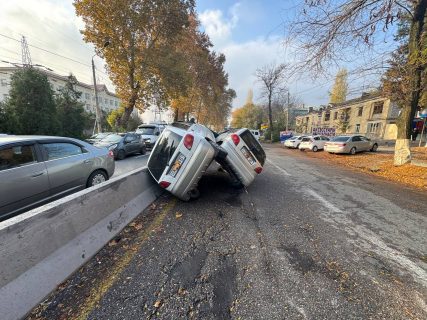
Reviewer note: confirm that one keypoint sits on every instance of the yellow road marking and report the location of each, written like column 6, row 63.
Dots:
column 99, row 290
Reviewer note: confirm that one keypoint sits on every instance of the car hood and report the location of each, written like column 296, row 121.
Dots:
column 148, row 136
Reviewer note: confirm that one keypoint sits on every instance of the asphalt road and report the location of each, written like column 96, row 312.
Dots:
column 130, row 163
column 306, row 240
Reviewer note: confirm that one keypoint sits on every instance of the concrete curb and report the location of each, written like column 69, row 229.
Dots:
column 41, row 248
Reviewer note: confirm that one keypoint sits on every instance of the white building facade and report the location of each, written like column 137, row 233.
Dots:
column 108, row 101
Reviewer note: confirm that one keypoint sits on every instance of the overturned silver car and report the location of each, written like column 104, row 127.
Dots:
column 184, row 151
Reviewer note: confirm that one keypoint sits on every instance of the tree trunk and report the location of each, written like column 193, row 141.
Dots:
column 176, row 115
column 128, row 110
column 270, row 118
column 402, row 152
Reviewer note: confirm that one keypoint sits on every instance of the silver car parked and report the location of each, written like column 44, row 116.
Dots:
column 38, row 169
column 350, row 144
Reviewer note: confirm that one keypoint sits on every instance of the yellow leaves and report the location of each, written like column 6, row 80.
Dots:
column 158, row 304
column 178, row 215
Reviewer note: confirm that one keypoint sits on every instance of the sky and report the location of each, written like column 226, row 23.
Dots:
column 249, row 32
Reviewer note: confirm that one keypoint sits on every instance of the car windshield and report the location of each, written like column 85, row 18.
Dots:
column 340, row 139
column 112, row 138
column 147, row 130
column 305, row 139
column 163, row 152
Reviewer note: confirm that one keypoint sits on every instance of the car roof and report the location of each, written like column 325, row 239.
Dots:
column 12, row 138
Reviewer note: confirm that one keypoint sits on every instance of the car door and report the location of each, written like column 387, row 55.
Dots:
column 23, row 178
column 67, row 165
column 357, row 143
column 366, row 142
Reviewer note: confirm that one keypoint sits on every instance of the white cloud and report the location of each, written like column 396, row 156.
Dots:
column 218, row 27
column 50, row 25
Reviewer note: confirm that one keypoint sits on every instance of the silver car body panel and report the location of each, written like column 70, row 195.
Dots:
column 338, row 147
column 236, row 159
column 197, row 160
column 30, row 185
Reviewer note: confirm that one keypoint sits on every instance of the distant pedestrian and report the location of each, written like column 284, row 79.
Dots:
column 414, row 134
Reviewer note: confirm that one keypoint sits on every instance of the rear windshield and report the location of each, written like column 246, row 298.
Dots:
column 253, row 145
column 145, row 130
column 305, row 139
column 340, row 139
column 163, row 152
column 114, row 138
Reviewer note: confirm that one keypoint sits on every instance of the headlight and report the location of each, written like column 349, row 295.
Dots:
column 147, row 140
column 112, row 147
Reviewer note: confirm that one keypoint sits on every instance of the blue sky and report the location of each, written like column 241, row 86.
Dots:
column 249, row 32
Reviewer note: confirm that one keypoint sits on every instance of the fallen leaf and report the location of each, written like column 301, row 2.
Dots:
column 157, row 304
column 112, row 243
column 178, row 215
column 138, row 226
column 181, row 291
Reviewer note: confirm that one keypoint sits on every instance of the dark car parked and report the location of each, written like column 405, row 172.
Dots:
column 123, row 144
column 97, row 137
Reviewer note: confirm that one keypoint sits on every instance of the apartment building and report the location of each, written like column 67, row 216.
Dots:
column 371, row 114
column 108, row 101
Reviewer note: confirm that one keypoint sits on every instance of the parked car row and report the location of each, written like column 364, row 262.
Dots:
column 184, row 151
column 350, row 144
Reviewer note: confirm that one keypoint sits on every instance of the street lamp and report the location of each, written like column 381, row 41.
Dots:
column 98, row 110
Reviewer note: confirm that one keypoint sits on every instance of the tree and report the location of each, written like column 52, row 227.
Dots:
column 113, row 119
column 70, row 112
column 141, row 33
column 7, row 120
column 326, row 28
column 271, row 77
column 31, row 103
column 339, row 90
column 248, row 116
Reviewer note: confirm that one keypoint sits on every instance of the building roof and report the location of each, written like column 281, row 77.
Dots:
column 100, row 87
column 364, row 97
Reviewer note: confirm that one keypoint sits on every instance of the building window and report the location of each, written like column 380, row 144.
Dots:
column 327, row 116
column 378, row 107
column 335, row 115
column 358, row 128
column 374, row 127
column 360, row 112
column 111, row 102
column 87, row 96
column 105, row 101
column 3, row 82
column 116, row 103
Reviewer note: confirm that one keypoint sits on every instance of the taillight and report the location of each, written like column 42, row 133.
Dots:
column 111, row 154
column 235, row 138
column 342, row 144
column 258, row 170
column 164, row 184
column 188, row 141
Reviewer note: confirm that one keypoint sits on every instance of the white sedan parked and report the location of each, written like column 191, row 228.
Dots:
column 313, row 143
column 294, row 142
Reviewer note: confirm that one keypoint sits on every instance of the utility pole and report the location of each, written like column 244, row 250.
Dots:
column 26, row 57
column 287, row 112
column 98, row 110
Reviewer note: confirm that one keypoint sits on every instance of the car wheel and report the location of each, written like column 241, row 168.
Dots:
column 301, row 149
column 96, row 177
column 315, row 149
column 121, row 155
column 194, row 194
column 374, row 147
column 297, row 146
column 143, row 151
column 353, row 151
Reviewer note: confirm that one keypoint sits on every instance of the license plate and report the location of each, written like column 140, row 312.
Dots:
column 177, row 165
column 248, row 155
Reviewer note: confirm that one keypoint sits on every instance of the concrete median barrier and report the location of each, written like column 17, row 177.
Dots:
column 41, row 248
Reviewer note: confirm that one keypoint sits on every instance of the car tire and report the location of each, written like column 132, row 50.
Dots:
column 143, row 151
column 315, row 149
column 301, row 149
column 194, row 194
column 374, row 148
column 96, row 177
column 353, row 151
column 121, row 155
column 297, row 146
